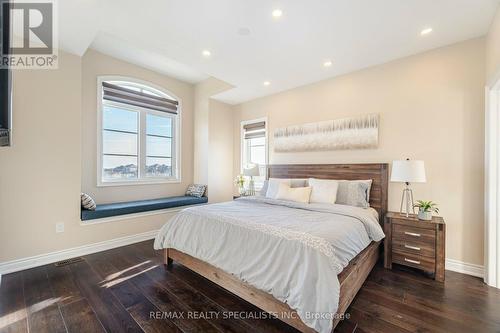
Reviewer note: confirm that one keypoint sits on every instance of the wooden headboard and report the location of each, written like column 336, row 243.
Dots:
column 377, row 172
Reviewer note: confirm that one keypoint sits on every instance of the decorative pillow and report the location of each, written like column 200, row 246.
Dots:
column 297, row 194
column 196, row 190
column 273, row 186
column 354, row 193
column 87, row 201
column 323, row 190
column 298, row 182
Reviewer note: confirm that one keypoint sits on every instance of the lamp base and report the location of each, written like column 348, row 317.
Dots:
column 407, row 198
column 251, row 187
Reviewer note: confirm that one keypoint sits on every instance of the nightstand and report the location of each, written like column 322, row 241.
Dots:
column 415, row 243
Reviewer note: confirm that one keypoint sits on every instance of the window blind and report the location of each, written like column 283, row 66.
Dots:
column 255, row 130
column 115, row 93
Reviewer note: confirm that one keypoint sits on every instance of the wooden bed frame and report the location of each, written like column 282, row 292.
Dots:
column 351, row 278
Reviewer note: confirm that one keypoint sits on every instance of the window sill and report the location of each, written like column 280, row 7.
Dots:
column 139, row 182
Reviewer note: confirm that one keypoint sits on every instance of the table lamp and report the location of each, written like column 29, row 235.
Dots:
column 251, row 171
column 408, row 171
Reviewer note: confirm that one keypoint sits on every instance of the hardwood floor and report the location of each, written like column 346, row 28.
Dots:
column 124, row 289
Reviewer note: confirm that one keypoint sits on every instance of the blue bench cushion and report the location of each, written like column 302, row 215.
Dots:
column 131, row 207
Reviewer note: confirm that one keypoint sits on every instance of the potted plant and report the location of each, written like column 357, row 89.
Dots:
column 240, row 182
column 425, row 209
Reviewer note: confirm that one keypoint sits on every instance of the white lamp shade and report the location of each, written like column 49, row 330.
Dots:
column 252, row 171
column 409, row 171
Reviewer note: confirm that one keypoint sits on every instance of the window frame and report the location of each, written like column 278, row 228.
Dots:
column 243, row 148
column 176, row 158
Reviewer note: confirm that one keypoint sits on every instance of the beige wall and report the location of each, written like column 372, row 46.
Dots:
column 220, row 150
column 95, row 64
column 431, row 107
column 493, row 49
column 41, row 174
column 212, row 125
column 203, row 91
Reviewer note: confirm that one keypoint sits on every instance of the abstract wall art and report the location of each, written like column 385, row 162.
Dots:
column 347, row 133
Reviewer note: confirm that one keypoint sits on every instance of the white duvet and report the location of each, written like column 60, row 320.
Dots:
column 293, row 251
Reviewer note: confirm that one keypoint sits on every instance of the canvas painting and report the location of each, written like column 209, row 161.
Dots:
column 347, row 133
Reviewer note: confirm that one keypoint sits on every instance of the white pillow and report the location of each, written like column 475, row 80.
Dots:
column 273, row 186
column 298, row 182
column 323, row 190
column 297, row 194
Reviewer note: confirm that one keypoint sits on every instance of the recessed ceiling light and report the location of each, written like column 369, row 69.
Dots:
column 277, row 13
column 327, row 63
column 266, row 83
column 426, row 31
column 206, row 53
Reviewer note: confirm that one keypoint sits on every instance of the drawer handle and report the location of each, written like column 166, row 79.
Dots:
column 412, row 247
column 412, row 261
column 412, row 234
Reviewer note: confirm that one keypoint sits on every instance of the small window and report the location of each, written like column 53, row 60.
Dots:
column 254, row 148
column 139, row 134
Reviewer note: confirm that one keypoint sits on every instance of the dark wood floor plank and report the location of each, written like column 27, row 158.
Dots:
column 110, row 312
column 408, row 322
column 155, row 291
column 13, row 313
column 142, row 314
column 62, row 284
column 119, row 289
column 169, row 305
column 402, row 307
column 198, row 302
column 115, row 275
column 455, row 300
column 456, row 311
column 43, row 309
column 347, row 326
column 80, row 318
column 372, row 324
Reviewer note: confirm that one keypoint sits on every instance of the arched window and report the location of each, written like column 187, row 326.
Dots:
column 138, row 138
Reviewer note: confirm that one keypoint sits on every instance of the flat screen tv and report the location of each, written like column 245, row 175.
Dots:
column 5, row 78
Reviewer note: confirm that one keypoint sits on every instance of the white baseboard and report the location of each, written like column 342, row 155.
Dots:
column 48, row 258
column 464, row 268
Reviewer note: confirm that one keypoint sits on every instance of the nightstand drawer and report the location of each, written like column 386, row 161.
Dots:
column 414, row 247
column 425, row 263
column 407, row 233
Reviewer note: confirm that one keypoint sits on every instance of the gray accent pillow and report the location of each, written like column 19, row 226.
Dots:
column 298, row 182
column 294, row 182
column 354, row 193
column 196, row 190
column 87, row 201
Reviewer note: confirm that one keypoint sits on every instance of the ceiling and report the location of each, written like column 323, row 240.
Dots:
column 249, row 46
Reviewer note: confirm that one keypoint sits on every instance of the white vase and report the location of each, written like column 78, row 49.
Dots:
column 425, row 216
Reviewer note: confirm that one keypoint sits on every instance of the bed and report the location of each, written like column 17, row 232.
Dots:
column 302, row 263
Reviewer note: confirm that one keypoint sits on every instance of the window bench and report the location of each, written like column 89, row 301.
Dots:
column 132, row 207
